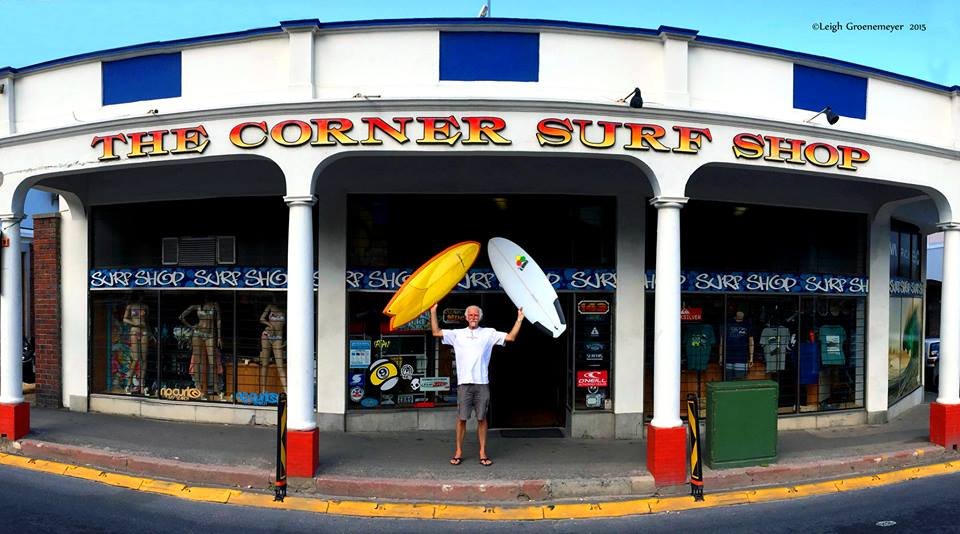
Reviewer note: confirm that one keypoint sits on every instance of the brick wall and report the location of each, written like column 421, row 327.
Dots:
column 46, row 312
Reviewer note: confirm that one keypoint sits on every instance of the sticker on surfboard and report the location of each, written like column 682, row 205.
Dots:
column 431, row 282
column 526, row 285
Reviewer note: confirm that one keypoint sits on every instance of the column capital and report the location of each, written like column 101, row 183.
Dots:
column 300, row 200
column 668, row 202
column 944, row 226
column 14, row 218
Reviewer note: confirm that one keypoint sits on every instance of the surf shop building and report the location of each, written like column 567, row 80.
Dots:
column 237, row 209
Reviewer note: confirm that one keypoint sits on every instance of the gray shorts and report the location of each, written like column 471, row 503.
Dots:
column 472, row 397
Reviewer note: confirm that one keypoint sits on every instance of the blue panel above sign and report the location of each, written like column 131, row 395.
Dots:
column 490, row 56
column 141, row 78
column 815, row 89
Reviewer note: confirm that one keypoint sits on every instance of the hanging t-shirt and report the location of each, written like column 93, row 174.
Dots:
column 738, row 342
column 831, row 345
column 775, row 342
column 698, row 341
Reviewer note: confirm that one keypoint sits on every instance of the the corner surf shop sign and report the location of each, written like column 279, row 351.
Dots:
column 472, row 131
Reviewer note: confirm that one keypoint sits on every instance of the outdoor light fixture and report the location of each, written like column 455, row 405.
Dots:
column 636, row 101
column 832, row 117
column 3, row 87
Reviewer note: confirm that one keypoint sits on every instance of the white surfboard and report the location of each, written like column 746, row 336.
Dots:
column 526, row 285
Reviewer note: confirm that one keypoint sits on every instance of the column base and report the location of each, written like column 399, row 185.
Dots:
column 303, row 453
column 14, row 420
column 667, row 455
column 945, row 424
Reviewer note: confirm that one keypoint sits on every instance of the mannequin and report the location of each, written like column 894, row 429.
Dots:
column 738, row 347
column 274, row 319
column 206, row 343
column 135, row 316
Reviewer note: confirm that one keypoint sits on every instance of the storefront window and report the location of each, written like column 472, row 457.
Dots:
column 782, row 302
column 535, row 380
column 406, row 368
column 906, row 312
column 187, row 300
column 219, row 346
column 813, row 347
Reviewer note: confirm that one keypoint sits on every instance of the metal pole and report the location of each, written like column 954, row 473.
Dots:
column 696, row 467
column 280, row 486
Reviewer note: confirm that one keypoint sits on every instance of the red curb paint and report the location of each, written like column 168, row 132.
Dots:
column 666, row 454
column 303, row 453
column 945, row 424
column 14, row 420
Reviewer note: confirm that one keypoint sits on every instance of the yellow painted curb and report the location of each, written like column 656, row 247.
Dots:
column 166, row 488
column 122, row 481
column 487, row 513
column 593, row 510
column 373, row 509
column 86, row 473
column 206, row 494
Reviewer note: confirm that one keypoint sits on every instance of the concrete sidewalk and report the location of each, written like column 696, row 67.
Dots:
column 414, row 465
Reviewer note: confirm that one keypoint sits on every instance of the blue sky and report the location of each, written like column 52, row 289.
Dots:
column 39, row 30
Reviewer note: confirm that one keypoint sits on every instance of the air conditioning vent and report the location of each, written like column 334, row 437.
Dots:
column 198, row 251
column 170, row 254
column 226, row 250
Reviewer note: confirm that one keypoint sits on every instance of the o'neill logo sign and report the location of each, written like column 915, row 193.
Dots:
column 473, row 131
column 592, row 379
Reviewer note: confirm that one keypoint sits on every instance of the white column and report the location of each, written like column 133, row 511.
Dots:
column 74, row 304
column 301, row 60
column 631, row 285
column 676, row 67
column 11, row 313
column 300, row 326
column 878, row 316
column 950, row 317
column 666, row 326
column 8, row 115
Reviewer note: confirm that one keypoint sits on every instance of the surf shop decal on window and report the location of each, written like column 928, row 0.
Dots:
column 764, row 282
column 595, row 280
column 470, row 131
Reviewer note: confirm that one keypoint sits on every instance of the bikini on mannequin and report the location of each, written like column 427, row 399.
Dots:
column 272, row 340
column 136, row 317
column 206, row 343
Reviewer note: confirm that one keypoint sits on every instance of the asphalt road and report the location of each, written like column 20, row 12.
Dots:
column 38, row 502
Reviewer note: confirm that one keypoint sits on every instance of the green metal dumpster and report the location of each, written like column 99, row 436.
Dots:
column 741, row 423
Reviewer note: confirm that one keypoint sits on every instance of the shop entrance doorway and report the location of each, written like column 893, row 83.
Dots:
column 527, row 376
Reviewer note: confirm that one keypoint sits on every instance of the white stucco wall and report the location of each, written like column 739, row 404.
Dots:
column 598, row 68
column 247, row 72
column 730, row 82
column 392, row 64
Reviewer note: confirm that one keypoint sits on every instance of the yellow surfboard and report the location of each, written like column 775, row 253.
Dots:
column 431, row 282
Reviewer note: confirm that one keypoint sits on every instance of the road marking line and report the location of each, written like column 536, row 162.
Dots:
column 597, row 509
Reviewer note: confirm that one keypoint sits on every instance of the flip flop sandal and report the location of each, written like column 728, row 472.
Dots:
column 486, row 462
column 456, row 460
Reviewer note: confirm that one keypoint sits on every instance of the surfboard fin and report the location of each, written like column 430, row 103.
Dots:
column 556, row 306
column 543, row 329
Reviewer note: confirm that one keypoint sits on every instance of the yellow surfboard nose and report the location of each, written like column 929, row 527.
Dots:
column 431, row 282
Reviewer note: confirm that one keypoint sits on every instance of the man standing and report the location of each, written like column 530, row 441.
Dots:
column 472, row 346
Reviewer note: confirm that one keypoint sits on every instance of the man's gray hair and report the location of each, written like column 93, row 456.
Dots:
column 479, row 310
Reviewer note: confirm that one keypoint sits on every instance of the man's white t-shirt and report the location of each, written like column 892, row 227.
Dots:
column 473, row 349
